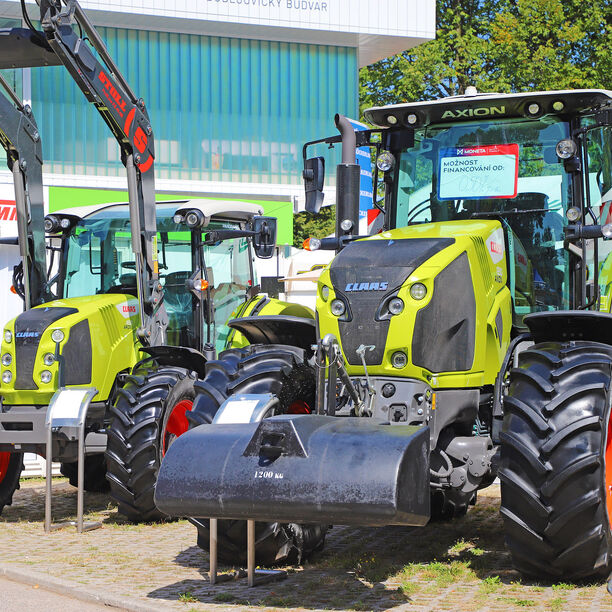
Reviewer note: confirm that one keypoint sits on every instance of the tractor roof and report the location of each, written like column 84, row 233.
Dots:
column 487, row 105
column 226, row 209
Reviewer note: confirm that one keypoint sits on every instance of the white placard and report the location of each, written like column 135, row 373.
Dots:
column 478, row 172
column 237, row 411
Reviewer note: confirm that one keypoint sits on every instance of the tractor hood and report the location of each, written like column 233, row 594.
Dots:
column 89, row 335
column 436, row 327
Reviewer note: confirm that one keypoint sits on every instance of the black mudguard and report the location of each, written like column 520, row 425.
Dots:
column 566, row 325
column 277, row 329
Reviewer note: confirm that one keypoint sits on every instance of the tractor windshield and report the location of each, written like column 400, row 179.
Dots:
column 498, row 169
column 98, row 258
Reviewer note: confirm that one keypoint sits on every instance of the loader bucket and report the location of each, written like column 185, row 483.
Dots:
column 299, row 468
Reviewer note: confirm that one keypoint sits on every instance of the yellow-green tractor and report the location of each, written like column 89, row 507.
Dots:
column 470, row 339
column 133, row 299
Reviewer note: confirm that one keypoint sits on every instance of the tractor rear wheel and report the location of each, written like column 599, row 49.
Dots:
column 282, row 371
column 11, row 465
column 95, row 473
column 147, row 416
column 556, row 461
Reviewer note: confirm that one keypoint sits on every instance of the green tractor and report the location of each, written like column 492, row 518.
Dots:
column 470, row 339
column 134, row 298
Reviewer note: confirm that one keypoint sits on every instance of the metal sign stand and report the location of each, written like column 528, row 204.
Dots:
column 255, row 577
column 66, row 413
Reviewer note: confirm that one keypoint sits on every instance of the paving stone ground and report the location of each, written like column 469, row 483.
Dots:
column 461, row 565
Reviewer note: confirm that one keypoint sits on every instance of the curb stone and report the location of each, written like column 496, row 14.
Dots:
column 70, row 589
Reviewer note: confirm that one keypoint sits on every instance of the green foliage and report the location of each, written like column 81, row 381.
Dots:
column 307, row 225
column 499, row 45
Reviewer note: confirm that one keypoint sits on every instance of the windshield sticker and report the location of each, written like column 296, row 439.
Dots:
column 468, row 173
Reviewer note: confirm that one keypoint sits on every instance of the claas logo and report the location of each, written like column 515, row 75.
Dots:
column 129, row 309
column 8, row 211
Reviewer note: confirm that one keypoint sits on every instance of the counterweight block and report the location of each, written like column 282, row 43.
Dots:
column 299, row 468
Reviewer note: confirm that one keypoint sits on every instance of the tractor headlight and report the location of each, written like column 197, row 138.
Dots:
column 385, row 161
column 566, row 148
column 606, row 230
column 7, row 376
column 46, row 376
column 338, row 308
column 396, row 306
column 49, row 359
column 194, row 218
column 325, row 293
column 418, row 291
column 7, row 359
column 8, row 336
column 573, row 214
column 399, row 360
column 57, row 335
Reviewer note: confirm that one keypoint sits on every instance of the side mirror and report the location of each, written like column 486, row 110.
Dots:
column 264, row 240
column 314, row 178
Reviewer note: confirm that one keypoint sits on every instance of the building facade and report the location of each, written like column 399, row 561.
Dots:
column 233, row 88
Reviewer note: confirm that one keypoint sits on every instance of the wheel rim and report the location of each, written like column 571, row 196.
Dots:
column 177, row 423
column 299, row 407
column 608, row 472
column 5, row 459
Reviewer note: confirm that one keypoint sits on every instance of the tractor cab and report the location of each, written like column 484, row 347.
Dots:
column 96, row 257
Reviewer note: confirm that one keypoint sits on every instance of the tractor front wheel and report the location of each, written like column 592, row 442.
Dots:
column 556, row 461
column 11, row 465
column 147, row 416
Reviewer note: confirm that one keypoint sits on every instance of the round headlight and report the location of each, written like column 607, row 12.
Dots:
column 7, row 376
column 325, row 293
column 385, row 161
column 49, row 359
column 338, row 307
column 399, row 360
column 64, row 223
column 606, row 230
column 46, row 376
column 391, row 119
column 57, row 335
column 7, row 359
column 396, row 305
column 8, row 336
column 573, row 214
column 566, row 148
column 558, row 106
column 418, row 291
column 346, row 225
column 411, row 119
column 178, row 219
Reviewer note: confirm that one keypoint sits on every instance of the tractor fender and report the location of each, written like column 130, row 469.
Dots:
column 277, row 329
column 566, row 325
column 178, row 356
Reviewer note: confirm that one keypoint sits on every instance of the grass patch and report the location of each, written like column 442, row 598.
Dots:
column 557, row 604
column 188, row 597
column 523, row 603
column 563, row 586
column 224, row 597
column 490, row 584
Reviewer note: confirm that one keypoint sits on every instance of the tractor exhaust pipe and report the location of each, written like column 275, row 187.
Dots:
column 348, row 179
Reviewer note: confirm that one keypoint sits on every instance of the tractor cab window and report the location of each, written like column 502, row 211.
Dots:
column 506, row 170
column 230, row 261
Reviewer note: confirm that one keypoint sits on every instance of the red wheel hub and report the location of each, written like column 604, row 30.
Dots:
column 5, row 458
column 177, row 423
column 299, row 407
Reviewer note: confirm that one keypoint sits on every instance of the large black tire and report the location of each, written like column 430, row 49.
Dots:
column 138, row 435
column 276, row 369
column 10, row 471
column 95, row 473
column 554, row 445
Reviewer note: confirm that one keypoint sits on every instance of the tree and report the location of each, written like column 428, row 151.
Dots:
column 499, row 45
column 307, row 225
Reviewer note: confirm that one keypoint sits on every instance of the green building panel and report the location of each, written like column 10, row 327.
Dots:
column 222, row 109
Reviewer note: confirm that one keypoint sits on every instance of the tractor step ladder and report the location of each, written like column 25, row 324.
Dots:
column 66, row 414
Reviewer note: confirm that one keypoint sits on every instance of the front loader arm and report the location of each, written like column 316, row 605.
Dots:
column 20, row 139
column 104, row 86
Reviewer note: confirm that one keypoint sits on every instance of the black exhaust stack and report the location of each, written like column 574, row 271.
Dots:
column 348, row 179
